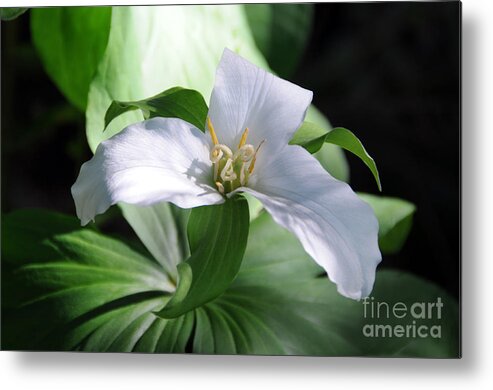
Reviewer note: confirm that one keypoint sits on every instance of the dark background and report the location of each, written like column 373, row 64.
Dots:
column 388, row 71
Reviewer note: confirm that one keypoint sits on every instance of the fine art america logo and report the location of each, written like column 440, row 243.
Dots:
column 402, row 320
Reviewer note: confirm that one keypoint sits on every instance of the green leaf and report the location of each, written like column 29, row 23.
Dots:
column 264, row 321
column 69, row 288
column 255, row 206
column 177, row 102
column 312, row 138
column 281, row 32
column 71, row 42
column 395, row 219
column 218, row 236
column 346, row 321
column 331, row 157
column 162, row 229
column 11, row 13
column 274, row 254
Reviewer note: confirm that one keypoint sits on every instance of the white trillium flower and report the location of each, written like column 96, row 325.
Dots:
column 252, row 117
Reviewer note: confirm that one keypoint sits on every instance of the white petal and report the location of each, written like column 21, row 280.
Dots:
column 336, row 228
column 247, row 96
column 162, row 159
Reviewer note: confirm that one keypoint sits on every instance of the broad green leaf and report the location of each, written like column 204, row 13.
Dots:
column 312, row 138
column 71, row 42
column 68, row 288
column 395, row 219
column 162, row 229
column 11, row 12
column 255, row 206
column 263, row 320
column 177, row 102
column 349, row 328
column 281, row 32
column 330, row 156
column 218, row 236
column 274, row 255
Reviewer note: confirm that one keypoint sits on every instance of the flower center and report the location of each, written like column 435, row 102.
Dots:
column 231, row 170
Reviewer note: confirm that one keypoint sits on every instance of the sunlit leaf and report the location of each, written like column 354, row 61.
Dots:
column 162, row 229
column 395, row 219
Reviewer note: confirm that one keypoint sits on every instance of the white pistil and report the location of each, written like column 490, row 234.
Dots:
column 218, row 151
column 228, row 173
column 243, row 174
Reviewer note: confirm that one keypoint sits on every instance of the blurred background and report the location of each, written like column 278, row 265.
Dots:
column 390, row 72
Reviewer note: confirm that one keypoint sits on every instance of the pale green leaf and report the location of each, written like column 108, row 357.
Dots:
column 313, row 137
column 330, row 156
column 162, row 229
column 395, row 219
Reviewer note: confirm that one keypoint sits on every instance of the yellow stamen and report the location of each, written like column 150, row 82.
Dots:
column 211, row 131
column 252, row 164
column 243, row 138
